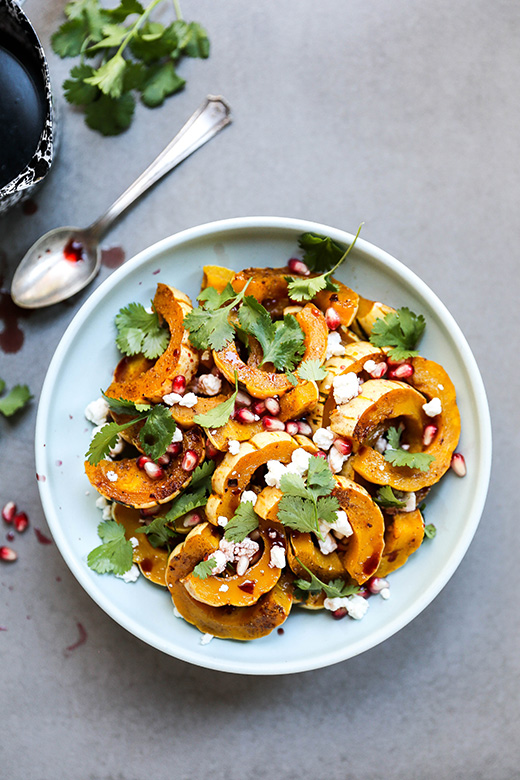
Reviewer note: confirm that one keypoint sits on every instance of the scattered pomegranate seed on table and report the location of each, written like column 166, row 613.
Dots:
column 20, row 522
column 7, row 554
column 9, row 511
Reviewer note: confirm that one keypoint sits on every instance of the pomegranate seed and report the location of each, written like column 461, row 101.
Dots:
column 297, row 266
column 291, row 428
column 191, row 520
column 272, row 424
column 243, row 399
column 244, row 416
column 332, row 318
column 9, row 511
column 152, row 470
column 339, row 613
column 179, row 384
column 429, row 434
column 163, row 460
column 377, row 584
column 20, row 522
column 142, row 460
column 379, row 370
column 211, row 451
column 7, row 554
column 259, row 408
column 272, row 406
column 190, row 460
column 394, row 363
column 148, row 512
column 404, row 371
column 321, row 454
column 174, row 448
column 345, row 447
column 304, row 428
column 458, row 464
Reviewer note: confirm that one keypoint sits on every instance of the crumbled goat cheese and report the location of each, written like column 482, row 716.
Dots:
column 369, row 366
column 323, row 438
column 101, row 502
column 355, row 605
column 177, row 436
column 222, row 521
column 107, row 513
column 118, row 448
column 171, row 398
column 299, row 462
column 220, row 559
column 249, row 495
column 328, row 544
column 410, row 502
column 275, row 471
column 206, row 639
column 189, row 400
column 209, row 384
column 223, row 588
column 336, row 460
column 334, row 346
column 228, row 552
column 277, row 558
column 233, row 446
column 342, row 526
column 433, row 407
column 97, row 411
column 112, row 476
column 134, row 541
column 385, row 593
column 345, row 387
column 131, row 575
column 381, row 444
column 176, row 613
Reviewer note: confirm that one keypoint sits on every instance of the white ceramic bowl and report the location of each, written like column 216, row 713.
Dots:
column 83, row 363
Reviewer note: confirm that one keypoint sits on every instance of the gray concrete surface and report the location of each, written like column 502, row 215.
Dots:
column 402, row 114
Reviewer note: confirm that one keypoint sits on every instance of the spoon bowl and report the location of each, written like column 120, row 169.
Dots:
column 66, row 259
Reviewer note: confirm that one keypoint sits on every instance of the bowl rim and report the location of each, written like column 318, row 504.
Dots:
column 482, row 462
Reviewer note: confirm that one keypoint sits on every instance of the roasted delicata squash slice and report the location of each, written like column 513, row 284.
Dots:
column 261, row 383
column 344, row 301
column 226, row 622
column 237, row 590
column 124, row 482
column 216, row 276
column 151, row 560
column 429, row 380
column 367, row 313
column 180, row 357
column 404, row 533
column 233, row 475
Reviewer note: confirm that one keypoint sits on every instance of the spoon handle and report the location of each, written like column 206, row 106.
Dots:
column 213, row 115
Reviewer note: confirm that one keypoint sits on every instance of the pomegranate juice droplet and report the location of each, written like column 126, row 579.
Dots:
column 74, row 251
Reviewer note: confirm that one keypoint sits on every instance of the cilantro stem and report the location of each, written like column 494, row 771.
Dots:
column 128, row 37
column 177, row 7
column 346, row 253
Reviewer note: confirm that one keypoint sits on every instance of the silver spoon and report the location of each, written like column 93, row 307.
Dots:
column 66, row 259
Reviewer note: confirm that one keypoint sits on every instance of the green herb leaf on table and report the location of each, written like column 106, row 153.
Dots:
column 220, row 414
column 321, row 253
column 304, row 288
column 204, row 569
column 15, row 400
column 161, row 82
column 399, row 457
column 115, row 554
column 139, row 331
column 387, row 499
column 242, row 523
column 282, row 342
column 400, row 330
column 209, row 324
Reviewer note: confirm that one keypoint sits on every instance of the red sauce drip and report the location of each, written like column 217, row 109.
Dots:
column 74, row 251
column 146, row 565
column 280, row 631
column 41, row 477
column 113, row 257
column 248, row 586
column 11, row 336
column 371, row 564
column 29, row 207
column 42, row 538
column 82, row 638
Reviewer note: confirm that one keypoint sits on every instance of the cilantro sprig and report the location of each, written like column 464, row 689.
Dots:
column 16, row 399
column 320, row 253
column 387, row 499
column 336, row 588
column 312, row 370
column 115, row 554
column 129, row 54
column 155, row 435
column 209, row 324
column 220, row 414
column 282, row 342
column 304, row 288
column 400, row 457
column 401, row 330
column 304, row 503
column 139, row 331
column 242, row 523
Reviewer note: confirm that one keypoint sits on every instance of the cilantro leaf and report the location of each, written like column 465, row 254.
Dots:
column 311, row 370
column 192, row 39
column 242, row 523
column 109, row 76
column 282, row 342
column 157, row 432
column 114, row 36
column 386, row 498
column 2, row 385
column 400, row 330
column 75, row 89
column 399, row 457
column 220, row 414
column 203, row 569
column 328, row 506
column 320, row 480
column 337, row 588
column 110, row 116
column 115, row 554
column 208, row 325
column 105, row 440
column 302, row 505
column 393, row 436
column 159, row 534
column 321, row 253
column 126, row 8
column 139, row 331
column 430, row 531
column 123, row 406
column 160, row 83
column 68, row 39
column 294, row 485
column 15, row 400
column 299, row 514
